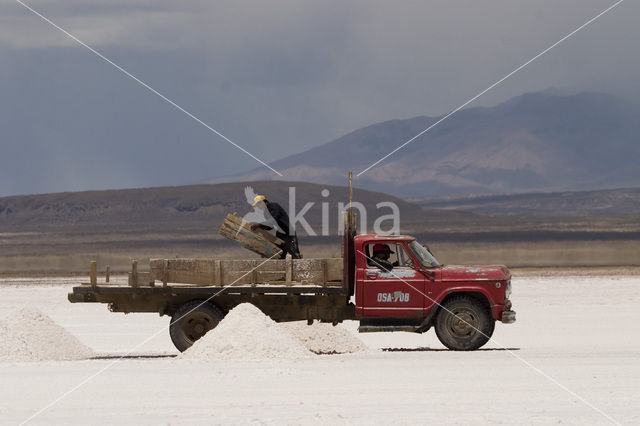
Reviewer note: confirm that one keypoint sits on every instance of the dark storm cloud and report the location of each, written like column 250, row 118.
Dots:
column 276, row 77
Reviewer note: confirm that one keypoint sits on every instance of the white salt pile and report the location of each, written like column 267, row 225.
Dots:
column 247, row 333
column 322, row 338
column 28, row 335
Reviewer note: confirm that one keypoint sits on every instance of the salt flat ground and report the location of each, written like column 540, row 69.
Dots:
column 579, row 331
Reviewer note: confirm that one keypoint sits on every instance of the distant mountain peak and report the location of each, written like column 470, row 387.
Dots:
column 544, row 141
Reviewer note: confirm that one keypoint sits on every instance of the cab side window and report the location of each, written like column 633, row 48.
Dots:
column 394, row 253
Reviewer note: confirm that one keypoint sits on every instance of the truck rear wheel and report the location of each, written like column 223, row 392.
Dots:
column 191, row 321
column 464, row 324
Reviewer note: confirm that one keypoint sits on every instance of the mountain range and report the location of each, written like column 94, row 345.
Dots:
column 610, row 201
column 536, row 142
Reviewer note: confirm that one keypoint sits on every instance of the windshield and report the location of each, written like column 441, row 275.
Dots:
column 423, row 255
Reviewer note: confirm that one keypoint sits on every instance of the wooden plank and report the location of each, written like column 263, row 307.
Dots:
column 334, row 268
column 206, row 291
column 324, row 272
column 234, row 221
column 251, row 243
column 93, row 272
column 133, row 277
column 248, row 240
column 288, row 269
column 258, row 234
column 156, row 269
column 222, row 272
column 234, row 218
column 308, row 270
column 191, row 271
column 235, row 278
column 259, row 241
column 142, row 278
column 217, row 273
column 263, row 233
column 248, row 264
column 165, row 272
column 257, row 271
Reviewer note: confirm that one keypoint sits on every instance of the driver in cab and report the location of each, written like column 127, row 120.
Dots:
column 381, row 255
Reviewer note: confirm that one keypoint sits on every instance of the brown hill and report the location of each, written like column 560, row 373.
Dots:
column 60, row 233
column 181, row 206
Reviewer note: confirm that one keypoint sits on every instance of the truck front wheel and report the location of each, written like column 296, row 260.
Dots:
column 464, row 324
column 191, row 321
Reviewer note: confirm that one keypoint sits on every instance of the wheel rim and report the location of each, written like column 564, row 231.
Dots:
column 196, row 324
column 463, row 324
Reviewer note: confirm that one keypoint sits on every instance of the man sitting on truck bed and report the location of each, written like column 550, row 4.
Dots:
column 277, row 217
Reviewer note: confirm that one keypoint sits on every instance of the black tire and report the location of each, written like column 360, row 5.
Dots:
column 191, row 321
column 463, row 323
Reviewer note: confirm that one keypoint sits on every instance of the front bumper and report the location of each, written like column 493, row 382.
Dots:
column 508, row 317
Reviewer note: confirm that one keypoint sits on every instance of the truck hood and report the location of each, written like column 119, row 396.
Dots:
column 475, row 273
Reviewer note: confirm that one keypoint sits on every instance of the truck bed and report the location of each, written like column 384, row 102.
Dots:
column 87, row 293
column 280, row 302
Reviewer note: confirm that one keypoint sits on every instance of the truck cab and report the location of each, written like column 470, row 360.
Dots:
column 401, row 286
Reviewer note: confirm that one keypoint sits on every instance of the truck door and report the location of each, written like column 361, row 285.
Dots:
column 395, row 293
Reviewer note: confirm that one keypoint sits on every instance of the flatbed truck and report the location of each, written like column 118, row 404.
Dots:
column 462, row 303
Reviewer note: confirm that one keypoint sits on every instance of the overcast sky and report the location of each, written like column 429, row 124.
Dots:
column 276, row 77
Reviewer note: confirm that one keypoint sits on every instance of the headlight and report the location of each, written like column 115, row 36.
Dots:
column 507, row 291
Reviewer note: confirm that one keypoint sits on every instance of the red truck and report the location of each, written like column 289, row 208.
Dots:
column 461, row 302
column 412, row 294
